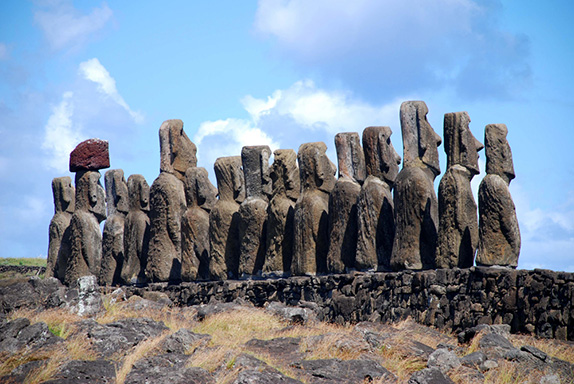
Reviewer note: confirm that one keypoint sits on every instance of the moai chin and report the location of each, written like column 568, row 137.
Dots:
column 343, row 203
column 311, row 229
column 253, row 210
column 201, row 196
column 167, row 203
column 136, row 231
column 499, row 234
column 416, row 205
column 375, row 206
column 85, row 236
column 286, row 189
column 224, row 219
column 117, row 202
column 458, row 221
column 59, row 232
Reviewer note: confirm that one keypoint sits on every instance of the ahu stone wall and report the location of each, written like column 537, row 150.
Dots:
column 538, row 302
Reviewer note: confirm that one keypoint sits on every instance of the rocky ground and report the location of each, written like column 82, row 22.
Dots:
column 88, row 334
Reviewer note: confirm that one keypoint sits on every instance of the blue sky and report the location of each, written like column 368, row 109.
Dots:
column 282, row 72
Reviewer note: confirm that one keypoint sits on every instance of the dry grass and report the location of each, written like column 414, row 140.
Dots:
column 556, row 348
column 144, row 349
column 60, row 321
column 211, row 358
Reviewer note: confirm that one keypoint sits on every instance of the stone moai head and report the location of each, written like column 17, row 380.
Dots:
column 420, row 141
column 177, row 152
column 230, row 178
column 255, row 160
column 90, row 195
column 498, row 154
column 315, row 169
column 138, row 190
column 460, row 145
column 381, row 158
column 350, row 156
column 117, row 196
column 64, row 194
column 199, row 192
column 285, row 174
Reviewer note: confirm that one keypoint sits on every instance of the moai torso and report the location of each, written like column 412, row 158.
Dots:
column 281, row 210
column 343, row 203
column 85, row 236
column 416, row 205
column 167, row 203
column 499, row 234
column 311, row 220
column 136, row 231
column 224, row 219
column 375, row 207
column 59, row 232
column 201, row 196
column 458, row 222
column 117, row 202
column 253, row 210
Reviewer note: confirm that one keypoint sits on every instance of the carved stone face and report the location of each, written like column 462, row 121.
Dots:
column 315, row 168
column 285, row 174
column 64, row 194
column 139, row 193
column 198, row 189
column 255, row 160
column 461, row 146
column 117, row 196
column 381, row 158
column 90, row 195
column 420, row 141
column 229, row 177
column 350, row 156
column 177, row 152
column 498, row 153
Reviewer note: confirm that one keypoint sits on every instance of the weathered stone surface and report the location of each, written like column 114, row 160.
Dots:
column 286, row 189
column 375, row 207
column 429, row 376
column 90, row 155
column 458, row 220
column 311, row 233
column 117, row 202
column 85, row 371
column 167, row 369
column 88, row 301
column 184, row 342
column 85, row 236
column 499, row 234
column 136, row 231
column 19, row 333
column 343, row 203
column 59, row 232
column 343, row 371
column 201, row 196
column 167, row 206
column 253, row 210
column 444, row 360
column 177, row 152
column 416, row 205
column 224, row 219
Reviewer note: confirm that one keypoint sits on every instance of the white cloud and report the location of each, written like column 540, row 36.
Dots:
column 397, row 46
column 61, row 136
column 94, row 71
column 288, row 118
column 64, row 26
column 3, row 52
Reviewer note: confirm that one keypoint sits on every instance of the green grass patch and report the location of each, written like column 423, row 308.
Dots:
column 24, row 261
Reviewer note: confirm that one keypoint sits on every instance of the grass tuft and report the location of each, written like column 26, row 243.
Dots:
column 144, row 349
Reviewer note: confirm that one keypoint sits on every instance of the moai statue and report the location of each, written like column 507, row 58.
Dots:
column 136, row 232
column 416, row 206
column 281, row 210
column 343, row 203
column 458, row 221
column 224, row 219
column 375, row 206
column 499, row 235
column 167, row 203
column 201, row 196
column 85, row 235
column 59, row 233
column 253, row 210
column 311, row 232
column 117, row 202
